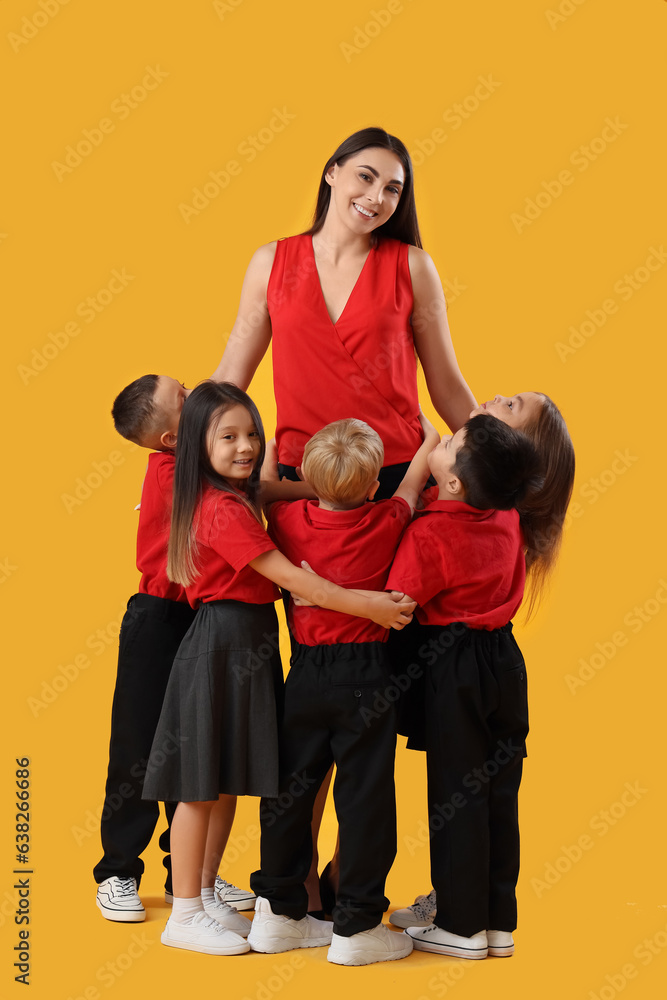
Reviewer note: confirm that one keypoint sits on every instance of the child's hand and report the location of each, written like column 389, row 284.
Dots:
column 301, row 602
column 269, row 471
column 391, row 610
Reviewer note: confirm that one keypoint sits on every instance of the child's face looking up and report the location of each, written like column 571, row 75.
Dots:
column 233, row 443
column 442, row 460
column 517, row 411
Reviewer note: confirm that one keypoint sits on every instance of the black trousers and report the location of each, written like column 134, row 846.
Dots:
column 476, row 713
column 336, row 710
column 150, row 634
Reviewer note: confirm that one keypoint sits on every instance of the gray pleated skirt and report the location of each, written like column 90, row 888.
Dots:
column 218, row 731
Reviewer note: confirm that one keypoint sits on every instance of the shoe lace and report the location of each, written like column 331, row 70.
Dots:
column 125, row 887
column 424, row 906
column 221, row 884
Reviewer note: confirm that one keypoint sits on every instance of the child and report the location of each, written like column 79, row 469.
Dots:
column 147, row 412
column 338, row 665
column 463, row 561
column 226, row 679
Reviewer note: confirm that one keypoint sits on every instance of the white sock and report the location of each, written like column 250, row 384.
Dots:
column 208, row 896
column 185, row 908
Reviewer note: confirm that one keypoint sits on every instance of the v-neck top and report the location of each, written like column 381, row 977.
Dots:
column 363, row 365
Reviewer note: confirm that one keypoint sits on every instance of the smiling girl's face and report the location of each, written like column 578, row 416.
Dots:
column 233, row 444
column 366, row 188
column 517, row 411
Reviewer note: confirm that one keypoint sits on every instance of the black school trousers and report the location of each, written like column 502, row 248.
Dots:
column 336, row 711
column 150, row 634
column 476, row 722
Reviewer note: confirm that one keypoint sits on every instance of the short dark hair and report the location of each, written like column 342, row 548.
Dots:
column 497, row 464
column 134, row 409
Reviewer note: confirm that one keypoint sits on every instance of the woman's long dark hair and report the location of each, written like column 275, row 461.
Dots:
column 403, row 223
column 543, row 511
column 201, row 412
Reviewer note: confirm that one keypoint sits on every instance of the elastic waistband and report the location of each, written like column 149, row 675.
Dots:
column 339, row 652
column 162, row 607
column 460, row 629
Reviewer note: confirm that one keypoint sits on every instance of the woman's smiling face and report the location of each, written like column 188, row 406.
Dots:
column 517, row 411
column 366, row 188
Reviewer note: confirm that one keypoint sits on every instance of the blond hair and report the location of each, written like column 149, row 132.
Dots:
column 342, row 461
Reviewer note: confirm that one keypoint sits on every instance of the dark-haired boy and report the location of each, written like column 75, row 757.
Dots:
column 148, row 412
column 462, row 559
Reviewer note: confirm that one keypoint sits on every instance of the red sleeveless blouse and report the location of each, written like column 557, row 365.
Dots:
column 362, row 366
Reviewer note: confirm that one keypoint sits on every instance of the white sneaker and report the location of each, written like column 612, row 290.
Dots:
column 229, row 917
column 203, row 933
column 420, row 914
column 272, row 932
column 117, row 898
column 441, row 942
column 378, row 944
column 241, row 899
column 501, row 944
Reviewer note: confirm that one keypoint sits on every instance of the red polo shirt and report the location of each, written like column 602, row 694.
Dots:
column 462, row 564
column 353, row 548
column 229, row 537
column 153, row 531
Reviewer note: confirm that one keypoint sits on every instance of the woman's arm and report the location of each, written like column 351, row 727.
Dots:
column 447, row 388
column 388, row 610
column 251, row 334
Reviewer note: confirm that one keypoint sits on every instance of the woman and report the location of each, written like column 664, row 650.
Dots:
column 348, row 304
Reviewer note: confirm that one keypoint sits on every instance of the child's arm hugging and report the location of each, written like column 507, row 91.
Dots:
column 387, row 610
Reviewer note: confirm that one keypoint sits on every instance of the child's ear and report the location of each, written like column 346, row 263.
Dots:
column 455, row 487
column 373, row 490
column 168, row 440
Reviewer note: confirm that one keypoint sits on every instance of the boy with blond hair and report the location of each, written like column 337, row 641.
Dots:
column 338, row 666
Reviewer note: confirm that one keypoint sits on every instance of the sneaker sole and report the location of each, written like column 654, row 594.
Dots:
column 191, row 946
column 506, row 952
column 451, row 950
column 122, row 916
column 338, row 958
column 404, row 922
column 270, row 947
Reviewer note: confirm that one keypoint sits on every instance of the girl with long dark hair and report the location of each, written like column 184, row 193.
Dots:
column 217, row 733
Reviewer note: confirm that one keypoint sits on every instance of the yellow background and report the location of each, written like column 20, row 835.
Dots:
column 69, row 569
